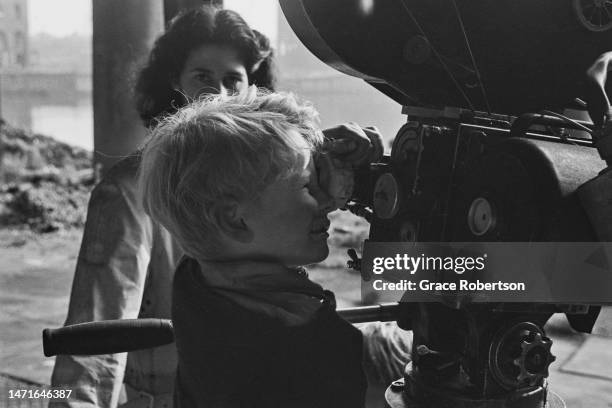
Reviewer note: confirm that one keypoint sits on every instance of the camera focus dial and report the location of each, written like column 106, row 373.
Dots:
column 386, row 197
column 481, row 216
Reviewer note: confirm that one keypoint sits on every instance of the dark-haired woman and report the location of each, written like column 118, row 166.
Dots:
column 205, row 50
column 126, row 262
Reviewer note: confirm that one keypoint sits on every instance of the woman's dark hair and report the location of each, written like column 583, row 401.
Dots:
column 154, row 93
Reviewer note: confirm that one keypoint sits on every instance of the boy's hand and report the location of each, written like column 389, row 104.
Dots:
column 353, row 145
column 346, row 147
column 336, row 181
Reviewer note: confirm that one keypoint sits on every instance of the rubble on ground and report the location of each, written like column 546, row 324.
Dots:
column 44, row 183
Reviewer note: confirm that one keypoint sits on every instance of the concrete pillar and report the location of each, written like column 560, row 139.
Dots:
column 123, row 33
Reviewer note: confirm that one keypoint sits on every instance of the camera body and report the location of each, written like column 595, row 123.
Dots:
column 454, row 176
column 459, row 176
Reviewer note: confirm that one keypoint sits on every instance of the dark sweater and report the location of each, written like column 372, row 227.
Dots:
column 232, row 356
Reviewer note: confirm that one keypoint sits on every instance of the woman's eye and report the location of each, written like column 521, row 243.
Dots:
column 203, row 77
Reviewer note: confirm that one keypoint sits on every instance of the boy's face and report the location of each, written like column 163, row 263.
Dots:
column 289, row 220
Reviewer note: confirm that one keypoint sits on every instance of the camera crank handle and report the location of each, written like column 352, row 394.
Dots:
column 107, row 337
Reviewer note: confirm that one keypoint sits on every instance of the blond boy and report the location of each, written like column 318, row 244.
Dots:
column 234, row 180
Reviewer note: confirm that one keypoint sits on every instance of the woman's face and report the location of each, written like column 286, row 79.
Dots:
column 213, row 69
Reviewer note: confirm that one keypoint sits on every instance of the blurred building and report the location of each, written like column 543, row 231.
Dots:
column 45, row 80
column 13, row 34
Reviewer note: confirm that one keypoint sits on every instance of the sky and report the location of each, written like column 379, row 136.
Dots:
column 259, row 14
column 65, row 17
column 59, row 17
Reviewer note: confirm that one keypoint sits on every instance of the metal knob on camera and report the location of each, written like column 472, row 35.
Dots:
column 520, row 355
column 518, row 361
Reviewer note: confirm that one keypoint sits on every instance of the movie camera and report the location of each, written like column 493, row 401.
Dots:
column 488, row 153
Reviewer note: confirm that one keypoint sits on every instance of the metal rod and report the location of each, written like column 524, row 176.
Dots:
column 378, row 313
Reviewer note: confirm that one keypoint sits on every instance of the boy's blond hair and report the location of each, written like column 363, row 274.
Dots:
column 221, row 148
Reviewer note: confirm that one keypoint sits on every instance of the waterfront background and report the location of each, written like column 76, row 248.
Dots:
column 49, row 91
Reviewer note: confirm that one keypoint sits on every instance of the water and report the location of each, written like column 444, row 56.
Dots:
column 338, row 99
column 70, row 121
column 69, row 124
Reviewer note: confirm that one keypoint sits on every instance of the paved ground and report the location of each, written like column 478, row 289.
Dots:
column 35, row 279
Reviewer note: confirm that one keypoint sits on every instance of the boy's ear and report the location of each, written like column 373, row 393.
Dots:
column 228, row 215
